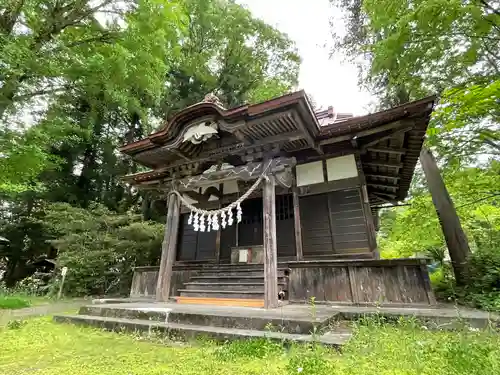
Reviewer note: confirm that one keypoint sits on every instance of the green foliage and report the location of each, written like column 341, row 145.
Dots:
column 375, row 349
column 408, row 49
column 475, row 195
column 100, row 248
column 79, row 79
column 11, row 302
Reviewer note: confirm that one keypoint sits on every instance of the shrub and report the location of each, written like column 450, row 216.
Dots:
column 483, row 286
column 101, row 248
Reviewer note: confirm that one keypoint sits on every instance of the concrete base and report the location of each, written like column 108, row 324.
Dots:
column 289, row 322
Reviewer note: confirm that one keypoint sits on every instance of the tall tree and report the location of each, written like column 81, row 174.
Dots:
column 164, row 55
column 407, row 49
column 411, row 48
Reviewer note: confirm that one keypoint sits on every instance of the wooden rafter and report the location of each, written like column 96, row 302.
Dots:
column 308, row 137
column 381, row 163
column 377, row 138
column 180, row 154
column 383, row 186
column 387, row 150
column 377, row 193
column 382, row 176
column 390, row 128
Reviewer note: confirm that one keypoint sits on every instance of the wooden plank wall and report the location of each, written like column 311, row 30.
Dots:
column 333, row 223
column 361, row 282
column 349, row 229
column 145, row 278
column 195, row 245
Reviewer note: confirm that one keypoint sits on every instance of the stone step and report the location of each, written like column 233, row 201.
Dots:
column 190, row 331
column 246, row 294
column 232, row 317
column 217, row 285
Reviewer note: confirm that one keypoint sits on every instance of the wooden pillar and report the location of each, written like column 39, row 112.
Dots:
column 168, row 249
column 296, row 220
column 365, row 203
column 370, row 224
column 219, row 232
column 270, row 245
column 456, row 240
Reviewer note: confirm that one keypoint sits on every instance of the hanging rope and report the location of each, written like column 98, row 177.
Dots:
column 211, row 217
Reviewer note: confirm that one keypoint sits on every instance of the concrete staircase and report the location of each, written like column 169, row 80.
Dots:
column 187, row 322
column 230, row 285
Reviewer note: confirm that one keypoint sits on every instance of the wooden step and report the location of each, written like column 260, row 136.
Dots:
column 224, row 285
column 242, row 302
column 214, row 293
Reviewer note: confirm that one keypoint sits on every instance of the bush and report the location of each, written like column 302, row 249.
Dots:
column 101, row 248
column 483, row 286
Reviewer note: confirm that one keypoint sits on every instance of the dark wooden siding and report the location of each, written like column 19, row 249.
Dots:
column 250, row 230
column 227, row 241
column 285, row 232
column 194, row 245
column 333, row 223
column 187, row 242
column 316, row 231
column 348, row 222
column 205, row 249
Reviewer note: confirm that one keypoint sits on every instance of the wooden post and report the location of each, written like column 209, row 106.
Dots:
column 456, row 240
column 64, row 271
column 270, row 245
column 168, row 249
column 219, row 232
column 365, row 202
column 370, row 225
column 296, row 220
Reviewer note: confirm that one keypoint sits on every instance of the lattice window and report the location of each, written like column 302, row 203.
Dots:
column 252, row 211
column 284, row 207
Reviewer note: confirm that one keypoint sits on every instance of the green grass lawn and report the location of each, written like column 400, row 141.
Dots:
column 44, row 348
column 13, row 302
column 20, row 301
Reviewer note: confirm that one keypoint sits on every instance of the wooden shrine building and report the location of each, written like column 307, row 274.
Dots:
column 274, row 201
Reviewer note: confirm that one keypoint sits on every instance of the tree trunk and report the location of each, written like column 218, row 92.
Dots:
column 455, row 238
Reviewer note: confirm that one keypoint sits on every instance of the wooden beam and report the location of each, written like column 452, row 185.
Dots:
column 250, row 171
column 241, row 137
column 296, row 220
column 270, row 245
column 390, row 201
column 380, row 163
column 387, row 150
column 364, row 133
column 367, row 213
column 309, row 138
column 383, row 186
column 382, row 176
column 377, row 138
column 384, row 193
column 219, row 232
column 329, row 186
column 168, row 249
column 180, row 154
column 456, row 240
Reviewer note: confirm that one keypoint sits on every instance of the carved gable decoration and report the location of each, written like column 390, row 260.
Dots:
column 200, row 133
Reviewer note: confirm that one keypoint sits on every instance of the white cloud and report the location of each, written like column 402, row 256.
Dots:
column 329, row 81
